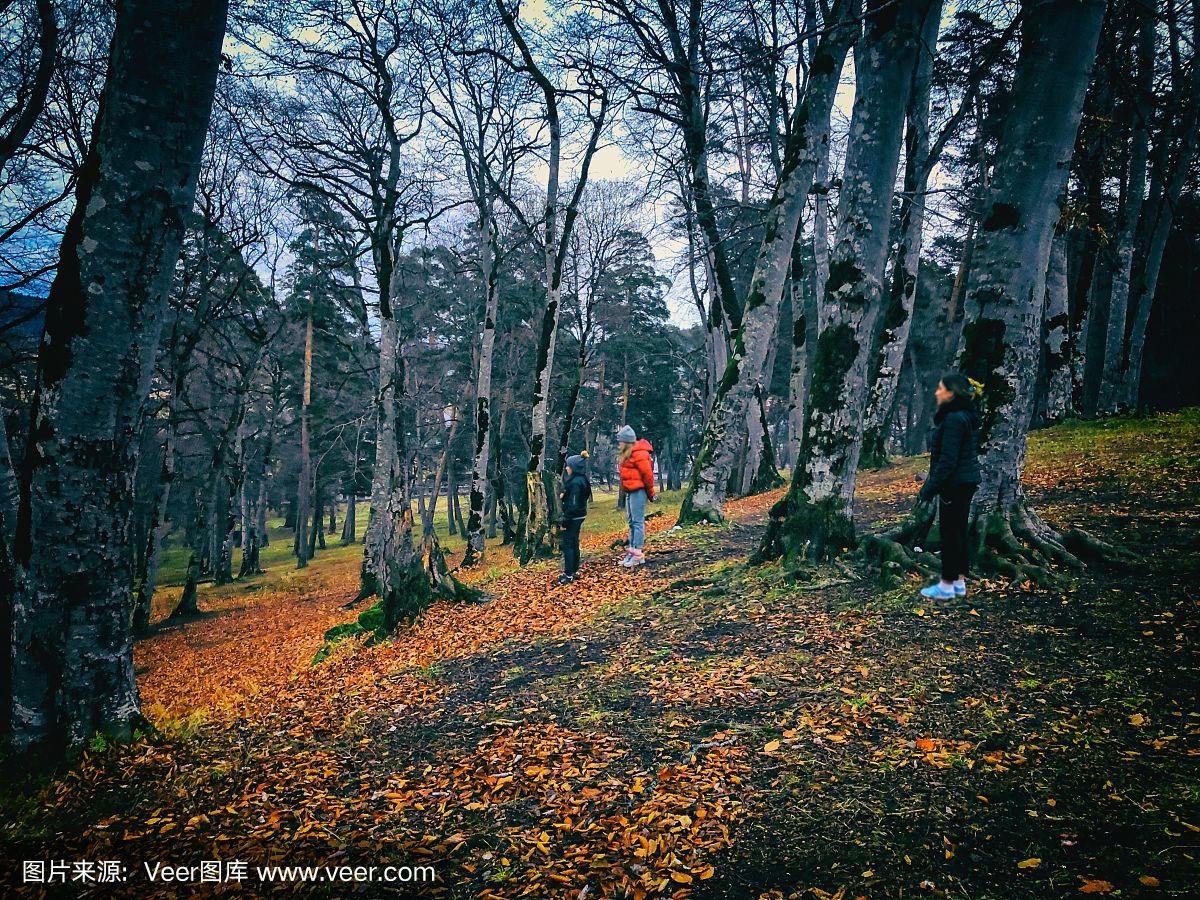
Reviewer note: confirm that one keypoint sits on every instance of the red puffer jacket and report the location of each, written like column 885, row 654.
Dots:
column 637, row 471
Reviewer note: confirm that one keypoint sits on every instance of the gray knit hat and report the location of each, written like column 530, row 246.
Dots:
column 578, row 462
column 626, row 434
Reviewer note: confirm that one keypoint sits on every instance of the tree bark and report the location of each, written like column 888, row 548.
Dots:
column 1112, row 393
column 392, row 567
column 897, row 317
column 810, row 130
column 1173, row 164
column 483, row 393
column 1057, row 330
column 1007, row 288
column 306, row 476
column 349, row 520
column 439, row 477
column 815, row 518
column 71, row 654
column 1001, row 336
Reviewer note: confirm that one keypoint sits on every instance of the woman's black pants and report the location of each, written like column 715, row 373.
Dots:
column 570, row 545
column 954, row 512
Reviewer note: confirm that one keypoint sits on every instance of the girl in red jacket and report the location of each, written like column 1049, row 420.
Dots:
column 637, row 479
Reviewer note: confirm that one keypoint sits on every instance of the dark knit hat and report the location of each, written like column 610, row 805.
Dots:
column 578, row 462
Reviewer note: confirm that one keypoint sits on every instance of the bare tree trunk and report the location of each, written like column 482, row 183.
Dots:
column 537, row 536
column 456, row 505
column 315, row 535
column 146, row 581
column 221, row 552
column 765, row 475
column 1112, row 394
column 260, row 506
column 1174, row 163
column 797, row 369
column 483, row 395
column 815, row 519
column 71, row 652
column 897, row 315
column 714, row 460
column 1058, row 323
column 392, row 567
column 349, row 520
column 439, row 477
column 1007, row 290
column 820, row 238
column 306, row 474
column 569, row 413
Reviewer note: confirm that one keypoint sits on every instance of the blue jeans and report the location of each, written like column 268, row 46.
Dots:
column 635, row 509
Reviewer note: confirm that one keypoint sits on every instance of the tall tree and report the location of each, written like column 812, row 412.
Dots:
column 894, row 324
column 1001, row 339
column 482, row 104
column 1176, row 149
column 71, row 652
column 360, row 80
column 808, row 134
column 815, row 516
column 537, row 533
column 1137, row 114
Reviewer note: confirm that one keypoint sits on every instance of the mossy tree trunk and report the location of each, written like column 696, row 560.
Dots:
column 898, row 305
column 70, row 659
column 394, row 564
column 815, row 518
column 1005, row 296
column 765, row 475
column 744, row 370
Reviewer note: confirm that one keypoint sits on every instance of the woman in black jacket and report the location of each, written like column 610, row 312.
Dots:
column 953, row 478
column 577, row 491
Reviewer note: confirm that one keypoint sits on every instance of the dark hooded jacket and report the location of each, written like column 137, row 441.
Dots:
column 953, row 447
column 577, row 491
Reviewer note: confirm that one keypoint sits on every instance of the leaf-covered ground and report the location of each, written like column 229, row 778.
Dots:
column 696, row 729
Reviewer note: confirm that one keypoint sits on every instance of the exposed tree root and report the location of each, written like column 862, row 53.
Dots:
column 1014, row 542
column 799, row 531
column 898, row 552
column 445, row 585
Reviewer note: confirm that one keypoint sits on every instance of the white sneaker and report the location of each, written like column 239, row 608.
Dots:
column 627, row 561
column 960, row 587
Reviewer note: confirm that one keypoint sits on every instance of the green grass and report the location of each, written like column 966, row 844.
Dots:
column 1140, row 448
column 339, row 560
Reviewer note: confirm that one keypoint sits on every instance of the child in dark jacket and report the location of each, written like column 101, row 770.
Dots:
column 577, row 491
column 953, row 478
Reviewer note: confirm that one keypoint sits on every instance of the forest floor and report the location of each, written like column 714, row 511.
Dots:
column 696, row 728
